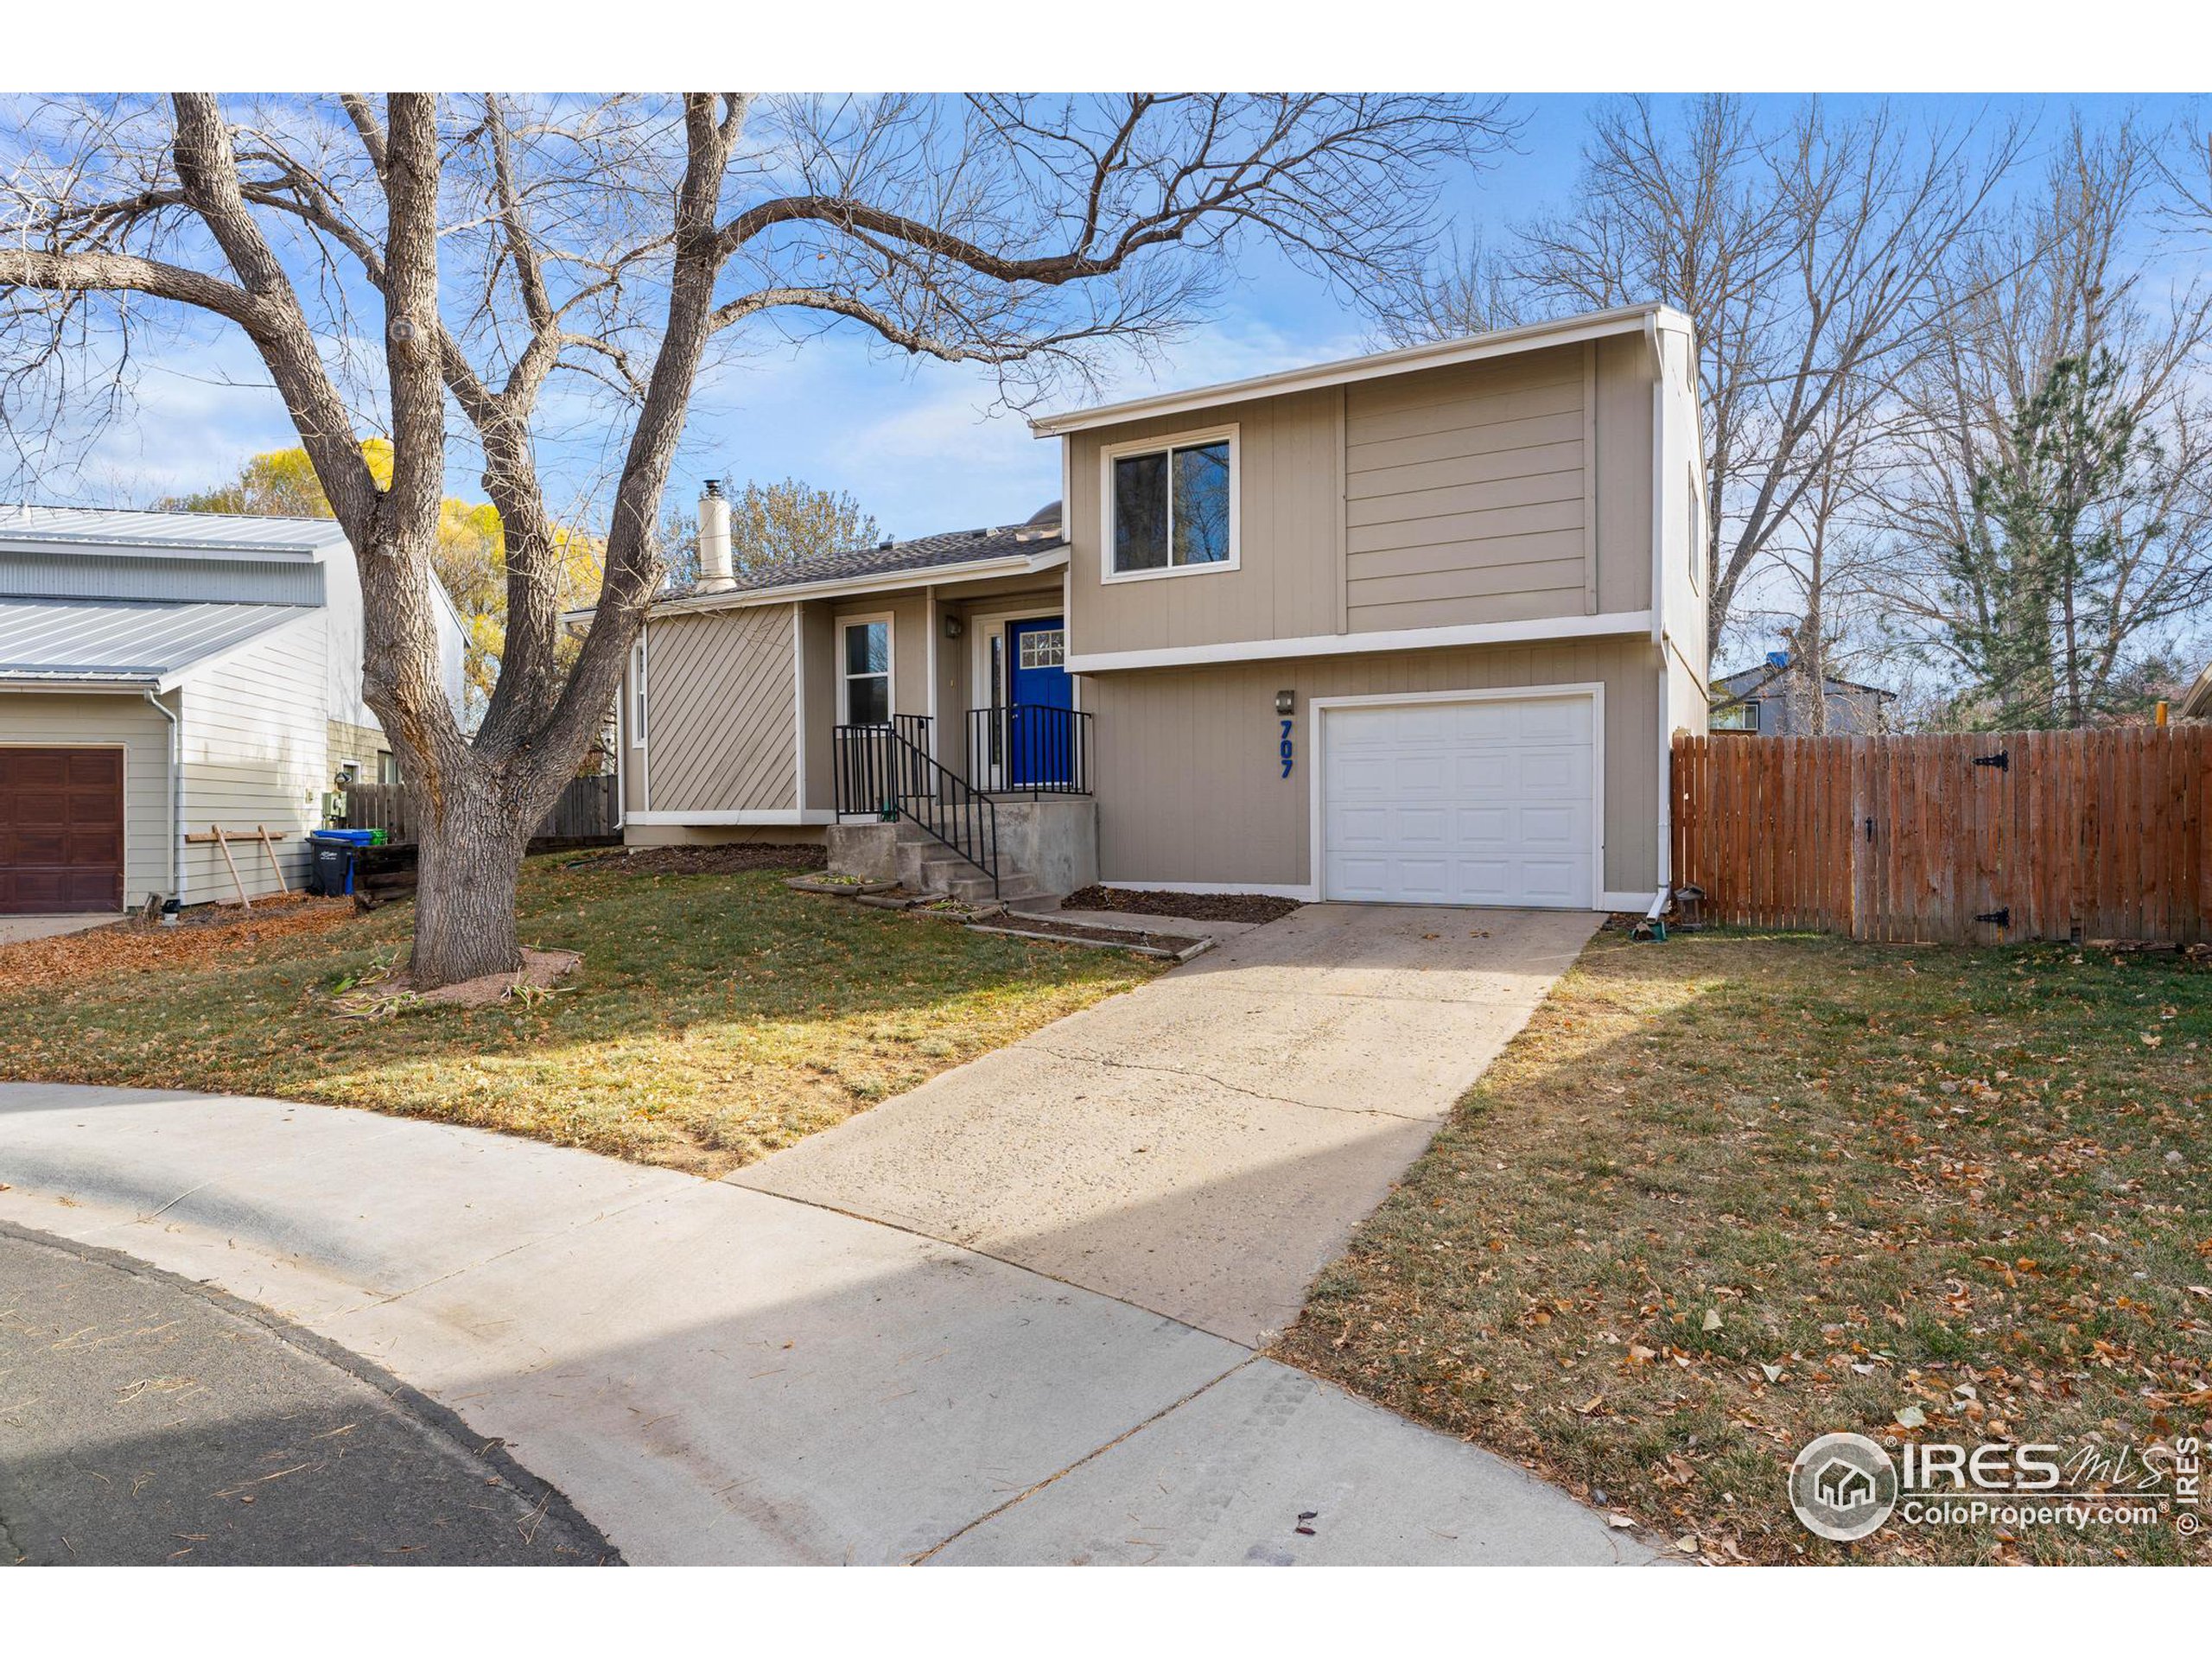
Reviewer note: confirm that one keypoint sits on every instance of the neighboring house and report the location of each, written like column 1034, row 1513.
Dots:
column 162, row 673
column 2197, row 702
column 1413, row 628
column 1767, row 702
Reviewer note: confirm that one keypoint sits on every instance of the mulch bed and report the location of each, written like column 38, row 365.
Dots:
column 1199, row 906
column 1060, row 929
column 541, row 970
column 709, row 860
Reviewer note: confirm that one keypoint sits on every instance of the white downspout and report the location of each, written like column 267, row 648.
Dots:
column 176, row 797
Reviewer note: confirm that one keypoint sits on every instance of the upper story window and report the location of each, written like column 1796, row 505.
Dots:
column 1736, row 716
column 1171, row 505
column 866, row 671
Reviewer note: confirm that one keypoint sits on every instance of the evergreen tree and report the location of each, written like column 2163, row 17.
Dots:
column 2041, row 612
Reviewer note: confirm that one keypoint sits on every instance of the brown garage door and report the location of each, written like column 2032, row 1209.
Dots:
column 60, row 830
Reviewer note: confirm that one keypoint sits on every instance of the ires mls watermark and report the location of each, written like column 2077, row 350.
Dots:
column 1845, row 1487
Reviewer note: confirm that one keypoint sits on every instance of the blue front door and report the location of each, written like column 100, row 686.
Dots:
column 1037, row 736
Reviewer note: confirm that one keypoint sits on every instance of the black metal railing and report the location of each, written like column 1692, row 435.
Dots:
column 881, row 774
column 915, row 728
column 1035, row 748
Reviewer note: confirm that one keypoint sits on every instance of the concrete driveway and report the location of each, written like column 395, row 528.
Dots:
column 18, row 929
column 718, row 1373
column 1202, row 1146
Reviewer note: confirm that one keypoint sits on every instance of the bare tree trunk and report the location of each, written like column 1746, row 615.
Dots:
column 469, row 851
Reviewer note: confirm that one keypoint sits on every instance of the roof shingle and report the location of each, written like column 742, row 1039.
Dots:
column 922, row 553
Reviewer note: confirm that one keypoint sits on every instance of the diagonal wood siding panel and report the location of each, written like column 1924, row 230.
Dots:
column 2075, row 835
column 722, row 720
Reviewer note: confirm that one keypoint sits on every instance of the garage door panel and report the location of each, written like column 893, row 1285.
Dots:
column 1554, row 881
column 62, row 830
column 36, row 768
column 1555, row 824
column 1558, row 720
column 1486, row 802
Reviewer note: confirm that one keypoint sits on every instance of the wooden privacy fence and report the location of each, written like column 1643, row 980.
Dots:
column 585, row 812
column 2007, row 836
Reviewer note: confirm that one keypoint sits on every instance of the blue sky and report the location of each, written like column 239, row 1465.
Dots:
column 919, row 444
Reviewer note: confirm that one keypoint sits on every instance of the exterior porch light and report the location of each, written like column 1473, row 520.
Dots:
column 954, row 627
column 1285, row 702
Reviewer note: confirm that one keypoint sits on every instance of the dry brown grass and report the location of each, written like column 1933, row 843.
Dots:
column 1728, row 1192
column 715, row 1017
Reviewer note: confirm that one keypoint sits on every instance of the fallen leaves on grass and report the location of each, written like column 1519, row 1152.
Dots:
column 220, row 934
column 723, row 1015
column 1728, row 1194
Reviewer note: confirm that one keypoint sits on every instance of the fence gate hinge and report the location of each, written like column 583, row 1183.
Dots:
column 2003, row 918
column 2002, row 760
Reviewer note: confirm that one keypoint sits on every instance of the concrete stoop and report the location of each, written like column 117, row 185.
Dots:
column 1046, row 848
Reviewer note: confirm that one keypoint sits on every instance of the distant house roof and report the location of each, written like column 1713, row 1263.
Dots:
column 1745, row 680
column 949, row 552
column 66, row 642
column 214, row 532
column 2197, row 703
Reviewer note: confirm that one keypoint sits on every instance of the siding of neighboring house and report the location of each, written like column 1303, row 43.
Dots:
column 357, row 746
column 720, row 724
column 1500, row 491
column 41, row 720
column 1852, row 711
column 1191, row 786
column 257, row 751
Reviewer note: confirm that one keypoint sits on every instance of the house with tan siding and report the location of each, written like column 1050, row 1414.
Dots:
column 1414, row 627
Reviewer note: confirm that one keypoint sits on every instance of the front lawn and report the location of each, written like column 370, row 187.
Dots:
column 716, row 1017
column 1726, row 1193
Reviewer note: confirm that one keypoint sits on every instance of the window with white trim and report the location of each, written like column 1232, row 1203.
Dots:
column 1736, row 716
column 1171, row 507
column 1695, row 532
column 637, row 694
column 867, row 664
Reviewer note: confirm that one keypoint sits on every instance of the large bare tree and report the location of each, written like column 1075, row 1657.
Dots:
column 1813, row 252
column 464, row 274
column 2075, row 277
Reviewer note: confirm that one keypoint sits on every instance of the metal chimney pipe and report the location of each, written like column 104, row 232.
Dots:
column 714, row 573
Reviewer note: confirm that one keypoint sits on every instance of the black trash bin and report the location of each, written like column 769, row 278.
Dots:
column 333, row 875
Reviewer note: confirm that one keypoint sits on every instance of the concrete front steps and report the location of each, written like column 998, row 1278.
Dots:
column 1046, row 848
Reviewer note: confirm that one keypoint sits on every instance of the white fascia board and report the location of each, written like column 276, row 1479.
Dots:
column 891, row 582
column 1473, row 348
column 301, row 553
column 134, row 686
column 763, row 814
column 1534, row 629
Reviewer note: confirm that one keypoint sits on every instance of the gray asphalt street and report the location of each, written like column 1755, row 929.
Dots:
column 144, row 1419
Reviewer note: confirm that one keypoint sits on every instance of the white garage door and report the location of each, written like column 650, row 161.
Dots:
column 1487, row 802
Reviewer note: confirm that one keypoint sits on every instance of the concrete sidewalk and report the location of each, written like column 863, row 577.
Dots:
column 1202, row 1145
column 716, row 1375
